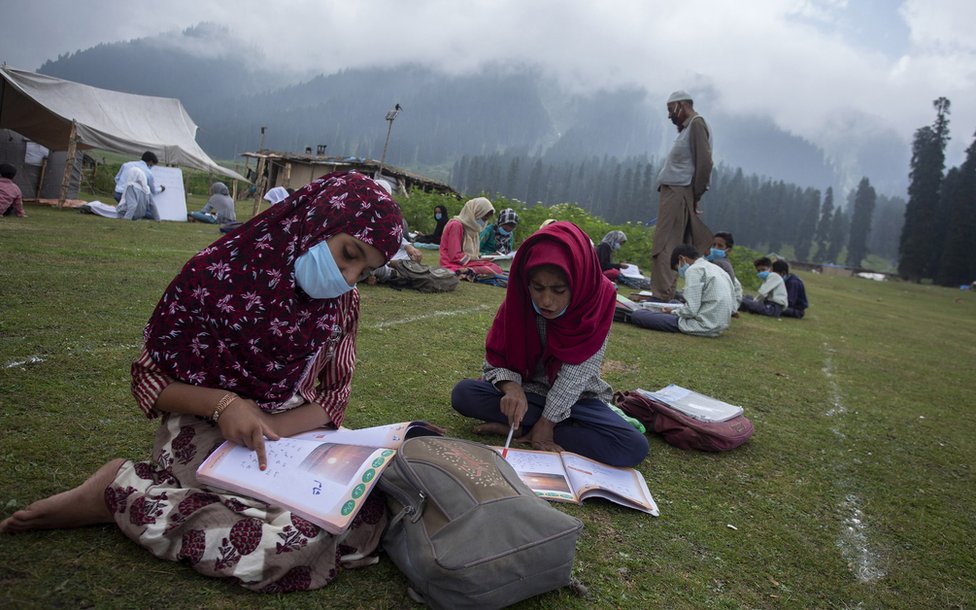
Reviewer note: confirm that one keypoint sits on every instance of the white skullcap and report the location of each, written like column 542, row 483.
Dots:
column 679, row 96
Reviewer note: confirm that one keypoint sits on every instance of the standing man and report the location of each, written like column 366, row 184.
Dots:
column 682, row 182
column 145, row 164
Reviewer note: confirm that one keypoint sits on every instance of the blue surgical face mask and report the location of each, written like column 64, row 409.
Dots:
column 318, row 275
column 438, row 216
column 503, row 231
column 615, row 247
column 763, row 274
column 715, row 253
column 536, row 308
column 482, row 223
column 682, row 269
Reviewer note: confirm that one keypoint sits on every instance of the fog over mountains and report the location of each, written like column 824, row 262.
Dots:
column 503, row 108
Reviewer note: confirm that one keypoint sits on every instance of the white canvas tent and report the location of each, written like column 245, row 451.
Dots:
column 64, row 115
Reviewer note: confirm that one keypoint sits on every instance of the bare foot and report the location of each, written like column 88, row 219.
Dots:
column 491, row 429
column 83, row 505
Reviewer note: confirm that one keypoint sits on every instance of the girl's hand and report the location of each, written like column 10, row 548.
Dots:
column 243, row 422
column 514, row 404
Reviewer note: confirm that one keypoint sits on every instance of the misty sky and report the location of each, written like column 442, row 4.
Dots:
column 817, row 67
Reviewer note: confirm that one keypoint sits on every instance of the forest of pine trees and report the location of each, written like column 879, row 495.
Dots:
column 762, row 213
column 941, row 214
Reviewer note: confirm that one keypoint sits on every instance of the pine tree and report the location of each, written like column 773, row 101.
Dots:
column 886, row 223
column 533, row 193
column 808, row 224
column 959, row 192
column 864, row 200
column 838, row 234
column 918, row 249
column 826, row 221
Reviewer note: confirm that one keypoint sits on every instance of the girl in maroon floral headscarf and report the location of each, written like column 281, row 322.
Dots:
column 254, row 339
column 544, row 351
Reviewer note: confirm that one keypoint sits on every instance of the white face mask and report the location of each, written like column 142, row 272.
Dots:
column 318, row 275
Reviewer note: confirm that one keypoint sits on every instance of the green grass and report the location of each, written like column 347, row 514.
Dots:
column 863, row 410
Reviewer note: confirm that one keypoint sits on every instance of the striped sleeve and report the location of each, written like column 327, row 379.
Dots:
column 334, row 369
column 148, row 382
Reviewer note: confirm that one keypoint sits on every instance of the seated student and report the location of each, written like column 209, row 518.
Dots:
column 217, row 368
column 440, row 220
column 137, row 201
column 544, row 351
column 772, row 293
column 405, row 252
column 219, row 203
column 147, row 161
column 796, row 292
column 460, row 241
column 610, row 243
column 11, row 199
column 722, row 244
column 499, row 236
column 708, row 293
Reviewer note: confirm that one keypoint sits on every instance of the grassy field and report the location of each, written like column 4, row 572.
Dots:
column 857, row 490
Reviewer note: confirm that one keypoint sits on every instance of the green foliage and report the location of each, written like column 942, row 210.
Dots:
column 864, row 200
column 855, row 492
column 919, row 247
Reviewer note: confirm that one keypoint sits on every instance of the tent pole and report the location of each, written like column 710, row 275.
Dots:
column 69, row 164
column 40, row 178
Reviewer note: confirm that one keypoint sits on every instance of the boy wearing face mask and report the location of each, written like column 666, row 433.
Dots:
column 709, row 301
column 772, row 298
column 719, row 255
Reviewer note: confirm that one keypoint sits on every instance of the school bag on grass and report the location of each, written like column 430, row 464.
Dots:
column 467, row 532
column 408, row 274
column 683, row 431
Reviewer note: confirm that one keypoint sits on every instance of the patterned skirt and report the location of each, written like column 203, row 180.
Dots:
column 161, row 505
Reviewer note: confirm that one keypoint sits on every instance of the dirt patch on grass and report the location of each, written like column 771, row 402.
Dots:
column 617, row 366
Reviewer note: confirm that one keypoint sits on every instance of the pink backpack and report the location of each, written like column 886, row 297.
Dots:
column 681, row 430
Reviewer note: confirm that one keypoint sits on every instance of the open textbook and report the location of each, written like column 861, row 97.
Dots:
column 322, row 475
column 693, row 404
column 632, row 306
column 569, row 477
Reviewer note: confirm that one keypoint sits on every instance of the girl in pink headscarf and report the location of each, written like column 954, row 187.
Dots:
column 254, row 339
column 543, row 354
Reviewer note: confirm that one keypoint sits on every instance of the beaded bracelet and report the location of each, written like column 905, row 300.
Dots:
column 224, row 402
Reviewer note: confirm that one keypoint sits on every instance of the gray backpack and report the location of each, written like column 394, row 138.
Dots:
column 467, row 532
column 408, row 274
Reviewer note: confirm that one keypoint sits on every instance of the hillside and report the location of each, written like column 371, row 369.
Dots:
column 507, row 109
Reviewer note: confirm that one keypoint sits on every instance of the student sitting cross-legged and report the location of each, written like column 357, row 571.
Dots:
column 796, row 292
column 709, row 298
column 772, row 293
column 543, row 354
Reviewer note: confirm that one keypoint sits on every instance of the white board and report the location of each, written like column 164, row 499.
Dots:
column 171, row 203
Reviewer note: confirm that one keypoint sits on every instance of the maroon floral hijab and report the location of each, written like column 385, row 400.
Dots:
column 234, row 319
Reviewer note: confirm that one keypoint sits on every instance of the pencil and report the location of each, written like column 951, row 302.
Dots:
column 508, row 441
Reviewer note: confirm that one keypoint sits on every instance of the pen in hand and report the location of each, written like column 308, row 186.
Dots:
column 508, row 441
